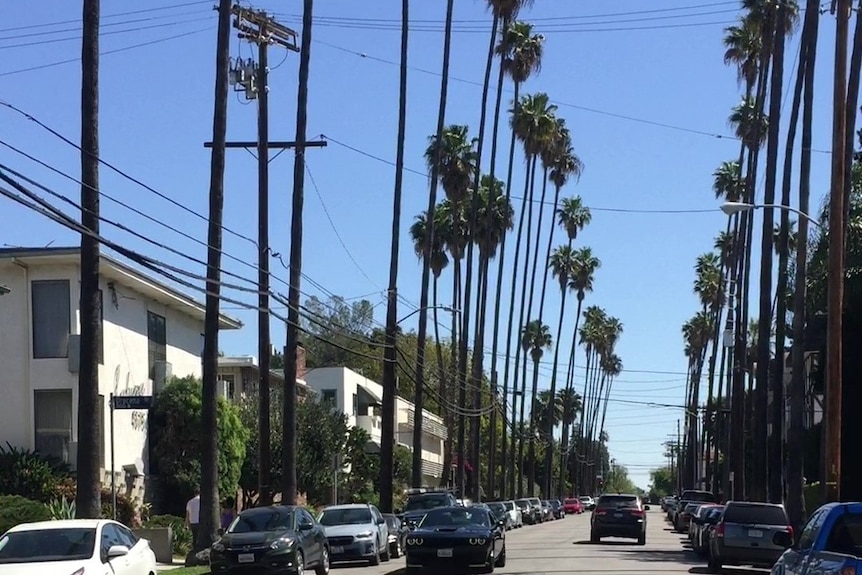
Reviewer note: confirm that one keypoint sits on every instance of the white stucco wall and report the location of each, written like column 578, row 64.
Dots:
column 125, row 367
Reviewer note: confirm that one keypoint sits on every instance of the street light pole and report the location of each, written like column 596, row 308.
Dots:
column 731, row 208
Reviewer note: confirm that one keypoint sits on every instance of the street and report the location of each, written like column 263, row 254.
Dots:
column 563, row 546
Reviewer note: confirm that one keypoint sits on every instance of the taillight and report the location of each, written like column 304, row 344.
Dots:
column 600, row 512
column 637, row 513
column 719, row 530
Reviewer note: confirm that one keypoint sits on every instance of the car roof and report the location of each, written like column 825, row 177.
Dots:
column 348, row 506
column 267, row 509
column 62, row 524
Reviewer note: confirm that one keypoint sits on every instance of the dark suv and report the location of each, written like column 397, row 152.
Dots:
column 421, row 500
column 619, row 516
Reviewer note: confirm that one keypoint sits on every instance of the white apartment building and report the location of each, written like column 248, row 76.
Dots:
column 150, row 332
column 360, row 399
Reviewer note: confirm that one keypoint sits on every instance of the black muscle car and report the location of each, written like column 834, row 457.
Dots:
column 274, row 539
column 457, row 538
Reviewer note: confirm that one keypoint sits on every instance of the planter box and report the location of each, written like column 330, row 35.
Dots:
column 161, row 542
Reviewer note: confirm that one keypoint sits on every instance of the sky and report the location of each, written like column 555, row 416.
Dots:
column 642, row 87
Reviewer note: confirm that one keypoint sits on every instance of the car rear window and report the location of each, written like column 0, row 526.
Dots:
column 618, row 501
column 572, row 501
column 748, row 514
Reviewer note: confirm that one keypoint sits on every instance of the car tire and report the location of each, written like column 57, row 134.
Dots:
column 395, row 550
column 300, row 564
column 642, row 539
column 323, row 568
column 713, row 564
column 385, row 556
column 594, row 537
column 375, row 559
column 501, row 558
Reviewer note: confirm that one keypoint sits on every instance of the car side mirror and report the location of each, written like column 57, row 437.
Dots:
column 646, row 507
column 381, row 521
column 220, row 532
column 398, row 512
column 115, row 551
column 306, row 526
column 783, row 539
column 501, row 523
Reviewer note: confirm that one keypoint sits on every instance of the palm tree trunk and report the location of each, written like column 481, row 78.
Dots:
column 796, row 428
column 443, row 387
column 478, row 343
column 390, row 352
column 89, row 424
column 499, row 283
column 421, row 335
column 852, row 109
column 564, row 452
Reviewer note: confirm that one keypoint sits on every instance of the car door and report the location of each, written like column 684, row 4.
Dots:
column 382, row 528
column 139, row 557
column 309, row 532
column 112, row 537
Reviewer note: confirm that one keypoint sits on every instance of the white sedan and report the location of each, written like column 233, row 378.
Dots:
column 75, row 547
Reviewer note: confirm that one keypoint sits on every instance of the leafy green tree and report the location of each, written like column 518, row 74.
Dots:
column 661, row 482
column 175, row 432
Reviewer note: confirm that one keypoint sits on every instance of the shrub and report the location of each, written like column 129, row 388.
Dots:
column 30, row 474
column 61, row 508
column 15, row 510
column 182, row 534
column 127, row 509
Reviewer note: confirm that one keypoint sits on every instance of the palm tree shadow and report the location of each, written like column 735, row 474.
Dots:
column 701, row 570
column 607, row 543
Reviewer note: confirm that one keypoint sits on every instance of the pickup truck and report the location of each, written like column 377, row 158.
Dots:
column 831, row 542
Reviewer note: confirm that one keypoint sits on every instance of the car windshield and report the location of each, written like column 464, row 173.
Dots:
column 43, row 545
column 510, row 505
column 572, row 501
column 624, row 501
column 497, row 507
column 258, row 520
column 522, row 503
column 584, row 498
column 423, row 503
column 346, row 516
column 456, row 517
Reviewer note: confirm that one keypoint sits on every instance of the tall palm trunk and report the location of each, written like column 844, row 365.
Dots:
column 478, row 339
column 570, row 381
column 499, row 283
column 89, row 424
column 773, row 476
column 421, row 336
column 443, row 388
column 586, row 405
column 796, row 428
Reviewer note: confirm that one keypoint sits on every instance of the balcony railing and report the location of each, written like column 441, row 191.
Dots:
column 428, row 426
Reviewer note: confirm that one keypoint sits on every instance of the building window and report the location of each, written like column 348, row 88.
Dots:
column 229, row 382
column 53, row 411
column 329, row 396
column 355, row 404
column 157, row 339
column 52, row 323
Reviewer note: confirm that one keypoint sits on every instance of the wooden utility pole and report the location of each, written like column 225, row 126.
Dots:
column 209, row 509
column 835, row 288
column 288, row 447
column 262, row 30
column 88, row 460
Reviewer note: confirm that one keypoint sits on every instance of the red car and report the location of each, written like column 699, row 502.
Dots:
column 573, row 505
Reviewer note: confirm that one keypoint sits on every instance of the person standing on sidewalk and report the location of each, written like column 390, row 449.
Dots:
column 193, row 513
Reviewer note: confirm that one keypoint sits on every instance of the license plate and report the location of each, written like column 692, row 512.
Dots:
column 618, row 514
column 444, row 553
column 245, row 558
column 337, row 550
column 755, row 533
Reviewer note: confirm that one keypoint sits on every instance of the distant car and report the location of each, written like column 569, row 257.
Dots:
column 557, row 509
column 75, row 547
column 588, row 502
column 282, row 537
column 397, row 535
column 573, row 506
column 515, row 516
column 619, row 516
column 500, row 513
column 420, row 501
column 356, row 532
column 455, row 538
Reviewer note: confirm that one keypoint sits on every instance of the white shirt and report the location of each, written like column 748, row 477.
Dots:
column 193, row 509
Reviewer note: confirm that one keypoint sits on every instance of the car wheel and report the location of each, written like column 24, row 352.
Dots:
column 323, row 568
column 395, row 550
column 714, row 565
column 642, row 539
column 594, row 537
column 300, row 564
column 385, row 555
column 375, row 559
column 501, row 558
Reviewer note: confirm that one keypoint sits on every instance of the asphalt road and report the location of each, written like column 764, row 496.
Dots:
column 563, row 546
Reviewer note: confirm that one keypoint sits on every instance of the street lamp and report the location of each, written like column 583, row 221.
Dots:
column 447, row 308
column 731, row 208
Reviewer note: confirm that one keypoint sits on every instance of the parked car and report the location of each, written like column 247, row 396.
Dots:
column 515, row 514
column 421, row 500
column 500, row 513
column 75, row 546
column 690, row 496
column 538, row 509
column 397, row 534
column 703, row 527
column 528, row 512
column 455, row 538
column 356, row 532
column 588, row 502
column 619, row 516
column 748, row 533
column 279, row 536
column 547, row 510
column 573, row 505
column 557, row 509
column 829, row 543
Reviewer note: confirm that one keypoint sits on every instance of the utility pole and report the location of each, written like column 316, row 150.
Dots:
column 262, row 30
column 835, row 287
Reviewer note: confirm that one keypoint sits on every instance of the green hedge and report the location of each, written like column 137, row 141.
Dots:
column 15, row 510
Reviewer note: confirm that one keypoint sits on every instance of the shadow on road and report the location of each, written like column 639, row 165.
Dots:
column 726, row 571
column 663, row 556
column 631, row 543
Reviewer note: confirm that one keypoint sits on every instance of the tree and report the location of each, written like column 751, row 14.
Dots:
column 210, row 505
column 177, row 437
column 661, row 482
column 88, row 498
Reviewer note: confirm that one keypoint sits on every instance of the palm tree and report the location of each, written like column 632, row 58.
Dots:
column 549, row 413
column 434, row 169
column 521, row 55
column 535, row 339
column 727, row 183
column 591, row 337
column 88, row 498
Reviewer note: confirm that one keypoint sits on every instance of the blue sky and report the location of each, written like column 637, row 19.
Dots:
column 641, row 85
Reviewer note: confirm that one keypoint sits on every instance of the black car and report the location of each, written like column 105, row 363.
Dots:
column 619, row 516
column 557, row 509
column 457, row 538
column 397, row 535
column 272, row 539
column 422, row 501
column 498, row 510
